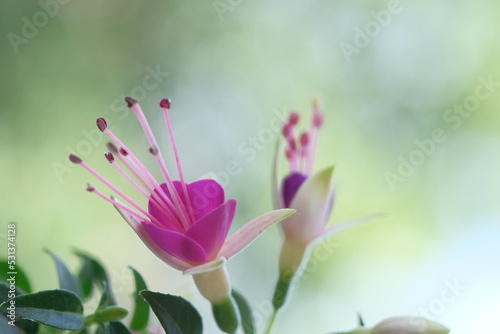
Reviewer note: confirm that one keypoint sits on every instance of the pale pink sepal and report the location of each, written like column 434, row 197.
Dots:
column 205, row 267
column 313, row 202
column 248, row 233
column 339, row 227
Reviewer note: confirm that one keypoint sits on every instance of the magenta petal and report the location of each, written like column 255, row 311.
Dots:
column 291, row 184
column 176, row 244
column 159, row 214
column 206, row 196
column 211, row 230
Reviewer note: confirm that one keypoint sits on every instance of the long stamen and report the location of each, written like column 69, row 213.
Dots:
column 134, row 106
column 134, row 161
column 111, row 159
column 165, row 104
column 292, row 153
column 317, row 120
column 304, row 151
column 159, row 195
column 79, row 161
column 92, row 189
column 101, row 124
column 127, row 164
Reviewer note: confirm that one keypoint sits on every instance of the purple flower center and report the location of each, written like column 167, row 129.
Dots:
column 291, row 185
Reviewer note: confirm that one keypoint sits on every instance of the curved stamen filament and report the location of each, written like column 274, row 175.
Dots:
column 159, row 158
column 120, row 193
column 125, row 154
column 160, row 195
column 152, row 199
column 165, row 103
column 118, row 204
column 132, row 156
column 317, row 119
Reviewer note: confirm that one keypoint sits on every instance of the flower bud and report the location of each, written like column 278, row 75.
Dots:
column 111, row 313
column 409, row 325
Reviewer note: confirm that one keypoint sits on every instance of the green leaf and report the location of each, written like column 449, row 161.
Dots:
column 247, row 320
column 5, row 292
column 22, row 281
column 361, row 323
column 5, row 328
column 113, row 327
column 28, row 327
column 57, row 308
column 118, row 328
column 67, row 281
column 82, row 331
column 107, row 298
column 91, row 272
column 140, row 318
column 102, row 329
column 176, row 315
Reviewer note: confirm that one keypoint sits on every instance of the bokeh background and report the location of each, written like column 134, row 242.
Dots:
column 390, row 74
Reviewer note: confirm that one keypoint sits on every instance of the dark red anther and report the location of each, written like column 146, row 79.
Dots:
column 90, row 187
column 153, row 150
column 101, row 124
column 287, row 130
column 318, row 119
column 112, row 147
column 294, row 118
column 165, row 103
column 130, row 101
column 110, row 157
column 74, row 159
column 304, row 139
column 123, row 151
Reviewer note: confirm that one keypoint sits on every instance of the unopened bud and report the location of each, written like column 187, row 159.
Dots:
column 409, row 325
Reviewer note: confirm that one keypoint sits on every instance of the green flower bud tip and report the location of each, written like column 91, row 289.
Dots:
column 111, row 313
column 226, row 316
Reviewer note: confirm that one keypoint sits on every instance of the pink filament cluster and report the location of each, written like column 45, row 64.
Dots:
column 301, row 149
column 174, row 203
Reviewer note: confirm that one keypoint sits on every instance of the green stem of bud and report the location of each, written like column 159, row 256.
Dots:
column 282, row 287
column 292, row 255
column 214, row 285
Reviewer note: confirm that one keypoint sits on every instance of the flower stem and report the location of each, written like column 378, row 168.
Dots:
column 271, row 321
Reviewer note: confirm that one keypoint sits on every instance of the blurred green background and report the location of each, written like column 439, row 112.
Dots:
column 389, row 73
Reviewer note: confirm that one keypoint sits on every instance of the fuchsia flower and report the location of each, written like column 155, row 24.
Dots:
column 184, row 224
column 311, row 194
